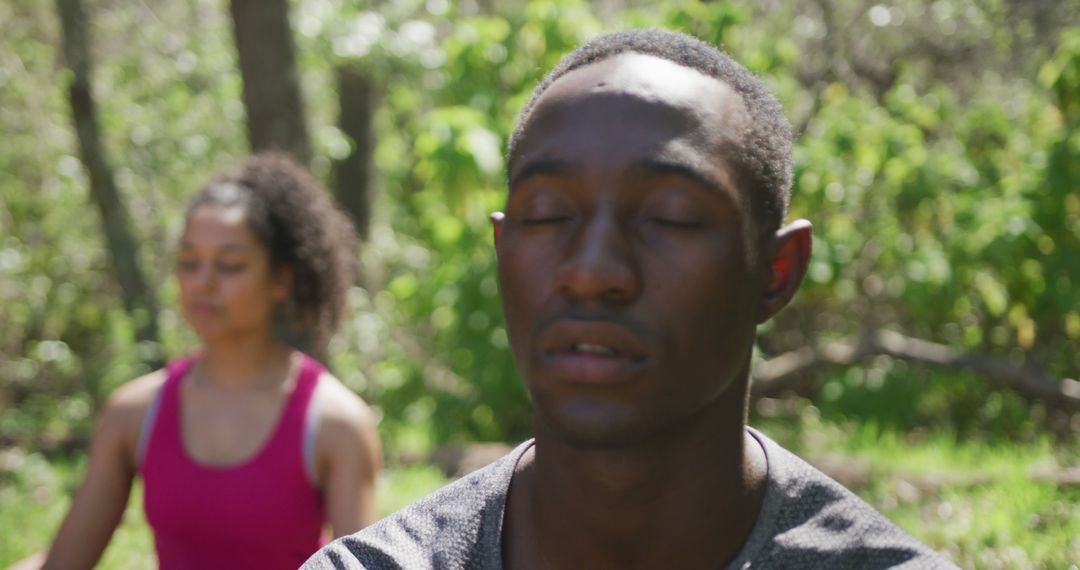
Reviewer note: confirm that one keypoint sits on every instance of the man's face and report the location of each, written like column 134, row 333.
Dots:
column 629, row 296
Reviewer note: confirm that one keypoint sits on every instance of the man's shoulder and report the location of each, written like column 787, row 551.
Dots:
column 457, row 526
column 809, row 520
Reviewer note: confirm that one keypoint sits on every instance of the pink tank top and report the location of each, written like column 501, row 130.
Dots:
column 262, row 513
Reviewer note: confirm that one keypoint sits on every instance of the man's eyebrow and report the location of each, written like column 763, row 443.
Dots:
column 661, row 166
column 544, row 167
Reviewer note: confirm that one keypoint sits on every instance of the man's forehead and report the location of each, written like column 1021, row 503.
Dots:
column 652, row 79
column 636, row 108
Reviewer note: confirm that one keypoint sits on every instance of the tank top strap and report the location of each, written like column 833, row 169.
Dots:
column 169, row 406
column 288, row 440
column 161, row 424
column 311, row 372
column 307, row 380
column 178, row 368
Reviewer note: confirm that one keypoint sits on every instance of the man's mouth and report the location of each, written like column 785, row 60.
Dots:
column 593, row 349
column 599, row 347
column 594, row 352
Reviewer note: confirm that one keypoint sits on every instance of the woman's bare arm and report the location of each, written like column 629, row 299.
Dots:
column 348, row 456
column 100, row 501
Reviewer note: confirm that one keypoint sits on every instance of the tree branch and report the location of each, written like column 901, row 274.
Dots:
column 782, row 372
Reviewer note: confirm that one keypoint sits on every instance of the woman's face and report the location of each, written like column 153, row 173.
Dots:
column 227, row 287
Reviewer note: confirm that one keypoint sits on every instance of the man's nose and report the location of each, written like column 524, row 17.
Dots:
column 600, row 264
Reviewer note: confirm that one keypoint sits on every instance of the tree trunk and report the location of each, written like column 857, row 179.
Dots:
column 264, row 45
column 353, row 175
column 139, row 300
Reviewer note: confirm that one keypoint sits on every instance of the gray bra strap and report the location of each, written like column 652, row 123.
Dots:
column 311, row 428
column 148, row 426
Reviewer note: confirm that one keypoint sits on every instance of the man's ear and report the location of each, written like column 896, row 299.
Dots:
column 496, row 226
column 785, row 257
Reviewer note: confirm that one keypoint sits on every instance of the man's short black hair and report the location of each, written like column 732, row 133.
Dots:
column 764, row 158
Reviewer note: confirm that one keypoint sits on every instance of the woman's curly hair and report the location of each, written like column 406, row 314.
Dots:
column 303, row 229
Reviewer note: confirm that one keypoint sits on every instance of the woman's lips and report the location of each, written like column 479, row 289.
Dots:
column 204, row 309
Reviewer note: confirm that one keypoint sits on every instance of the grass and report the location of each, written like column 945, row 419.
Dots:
column 1008, row 522
column 974, row 501
column 1011, row 522
column 34, row 496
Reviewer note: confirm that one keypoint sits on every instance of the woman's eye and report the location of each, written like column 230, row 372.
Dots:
column 230, row 267
column 187, row 265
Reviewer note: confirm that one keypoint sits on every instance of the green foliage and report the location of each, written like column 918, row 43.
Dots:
column 925, row 195
column 64, row 339
column 440, row 158
column 938, row 156
column 943, row 195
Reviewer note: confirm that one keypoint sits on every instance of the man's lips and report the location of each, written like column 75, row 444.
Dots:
column 600, row 352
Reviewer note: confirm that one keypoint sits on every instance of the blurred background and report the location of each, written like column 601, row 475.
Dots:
column 930, row 361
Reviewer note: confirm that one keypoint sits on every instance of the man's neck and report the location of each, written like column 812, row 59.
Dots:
column 687, row 498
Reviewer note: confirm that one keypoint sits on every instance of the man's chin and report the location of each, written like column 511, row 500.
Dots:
column 591, row 425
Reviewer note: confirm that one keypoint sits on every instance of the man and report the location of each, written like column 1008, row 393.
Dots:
column 641, row 246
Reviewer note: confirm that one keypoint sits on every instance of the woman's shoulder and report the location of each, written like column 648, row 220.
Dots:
column 345, row 422
column 136, row 394
column 341, row 407
column 125, row 410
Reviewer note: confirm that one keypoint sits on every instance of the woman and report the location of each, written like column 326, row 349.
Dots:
column 247, row 447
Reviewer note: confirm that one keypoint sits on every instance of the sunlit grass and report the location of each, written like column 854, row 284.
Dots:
column 35, row 497
column 988, row 513
column 977, row 502
column 401, row 486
